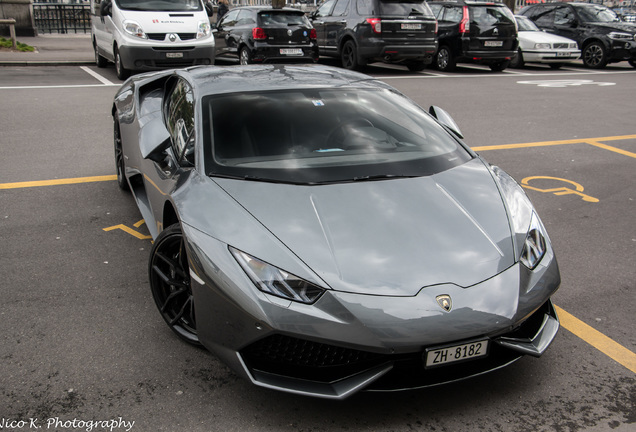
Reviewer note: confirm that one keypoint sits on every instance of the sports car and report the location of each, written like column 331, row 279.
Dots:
column 322, row 234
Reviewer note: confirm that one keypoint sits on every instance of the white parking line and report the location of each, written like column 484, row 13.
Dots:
column 96, row 75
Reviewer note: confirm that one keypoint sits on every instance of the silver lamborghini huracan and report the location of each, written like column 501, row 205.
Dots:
column 322, row 234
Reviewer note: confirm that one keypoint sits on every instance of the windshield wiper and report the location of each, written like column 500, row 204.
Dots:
column 381, row 177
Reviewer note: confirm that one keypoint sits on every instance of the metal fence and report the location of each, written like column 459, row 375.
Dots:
column 62, row 17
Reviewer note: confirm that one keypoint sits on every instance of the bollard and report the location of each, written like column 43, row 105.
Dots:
column 11, row 23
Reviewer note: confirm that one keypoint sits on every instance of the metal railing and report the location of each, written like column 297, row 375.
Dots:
column 62, row 17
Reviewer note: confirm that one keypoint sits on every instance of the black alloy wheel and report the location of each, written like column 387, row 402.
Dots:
column 595, row 55
column 444, row 59
column 170, row 283
column 349, row 56
column 120, row 164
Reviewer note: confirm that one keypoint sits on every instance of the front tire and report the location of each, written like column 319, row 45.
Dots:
column 595, row 56
column 169, row 274
column 122, row 72
column 445, row 60
column 245, row 57
column 100, row 61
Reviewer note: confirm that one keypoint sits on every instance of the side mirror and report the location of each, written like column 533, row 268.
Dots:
column 154, row 139
column 445, row 119
column 106, row 8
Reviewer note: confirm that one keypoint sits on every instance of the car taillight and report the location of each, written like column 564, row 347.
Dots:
column 376, row 24
column 464, row 25
column 312, row 34
column 258, row 33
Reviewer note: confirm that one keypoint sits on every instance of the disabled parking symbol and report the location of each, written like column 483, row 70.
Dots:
column 563, row 190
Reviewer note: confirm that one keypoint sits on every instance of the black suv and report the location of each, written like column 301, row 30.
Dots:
column 602, row 37
column 474, row 32
column 265, row 34
column 363, row 31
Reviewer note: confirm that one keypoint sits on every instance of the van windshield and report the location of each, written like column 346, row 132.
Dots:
column 160, row 5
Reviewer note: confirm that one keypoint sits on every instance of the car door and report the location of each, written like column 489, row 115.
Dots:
column 319, row 23
column 223, row 31
column 566, row 23
column 335, row 24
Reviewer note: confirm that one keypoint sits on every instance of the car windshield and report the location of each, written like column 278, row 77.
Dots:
column 312, row 136
column 525, row 24
column 405, row 8
column 282, row 18
column 160, row 5
column 595, row 13
column 491, row 15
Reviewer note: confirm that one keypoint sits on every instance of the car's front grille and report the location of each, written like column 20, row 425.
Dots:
column 162, row 36
column 560, row 45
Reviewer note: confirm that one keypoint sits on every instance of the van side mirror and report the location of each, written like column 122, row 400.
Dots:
column 106, row 8
column 154, row 139
column 445, row 119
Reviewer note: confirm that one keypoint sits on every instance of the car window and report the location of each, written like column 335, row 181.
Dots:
column 405, row 8
column 324, row 135
column 282, row 18
column 490, row 15
column 245, row 17
column 325, row 8
column 453, row 14
column 179, row 115
column 543, row 16
column 563, row 15
column 230, row 18
column 596, row 13
column 525, row 24
column 171, row 6
column 365, row 7
column 437, row 10
column 341, row 8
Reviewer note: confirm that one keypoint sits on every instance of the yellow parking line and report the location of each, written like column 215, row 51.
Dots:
column 56, row 182
column 610, row 148
column 597, row 339
column 591, row 141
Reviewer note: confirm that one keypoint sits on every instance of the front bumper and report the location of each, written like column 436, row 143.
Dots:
column 551, row 56
column 157, row 57
column 622, row 50
column 346, row 342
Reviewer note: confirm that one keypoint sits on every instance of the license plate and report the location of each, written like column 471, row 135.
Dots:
column 456, row 353
column 563, row 54
column 493, row 43
column 291, row 51
column 411, row 26
column 174, row 55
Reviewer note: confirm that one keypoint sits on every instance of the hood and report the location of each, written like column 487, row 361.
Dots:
column 533, row 37
column 390, row 237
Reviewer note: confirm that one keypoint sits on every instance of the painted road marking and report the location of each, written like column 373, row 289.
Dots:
column 131, row 231
column 578, row 189
column 97, row 76
column 597, row 339
column 565, row 83
column 57, row 182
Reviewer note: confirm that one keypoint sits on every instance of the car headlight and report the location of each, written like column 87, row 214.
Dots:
column 542, row 46
column 277, row 282
column 204, row 29
column 534, row 247
column 573, row 45
column 620, row 36
column 134, row 29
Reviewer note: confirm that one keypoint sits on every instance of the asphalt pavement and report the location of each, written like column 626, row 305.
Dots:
column 53, row 50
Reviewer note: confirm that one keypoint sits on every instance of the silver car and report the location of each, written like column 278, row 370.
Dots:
column 322, row 234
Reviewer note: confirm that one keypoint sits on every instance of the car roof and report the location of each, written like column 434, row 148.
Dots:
column 259, row 8
column 469, row 2
column 220, row 80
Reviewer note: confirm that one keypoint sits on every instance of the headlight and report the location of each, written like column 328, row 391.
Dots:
column 621, row 36
column 573, row 45
column 134, row 29
column 275, row 281
column 204, row 29
column 534, row 247
column 542, row 46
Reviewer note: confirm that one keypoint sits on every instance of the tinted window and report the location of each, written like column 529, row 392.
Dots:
column 543, row 16
column 365, row 7
column 405, row 8
column 230, row 18
column 563, row 16
column 282, row 18
column 490, row 15
column 595, row 13
column 313, row 136
column 341, row 8
column 325, row 8
column 245, row 17
column 453, row 14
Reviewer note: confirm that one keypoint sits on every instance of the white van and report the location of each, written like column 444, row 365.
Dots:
column 151, row 34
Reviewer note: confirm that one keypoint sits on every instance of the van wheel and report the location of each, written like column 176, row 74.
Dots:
column 122, row 72
column 100, row 61
column 594, row 56
column 349, row 56
column 445, row 60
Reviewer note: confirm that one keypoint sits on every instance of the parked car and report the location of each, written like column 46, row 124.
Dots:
column 363, row 31
column 537, row 46
column 602, row 37
column 627, row 14
column 474, row 32
column 258, row 34
column 140, row 35
column 322, row 234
